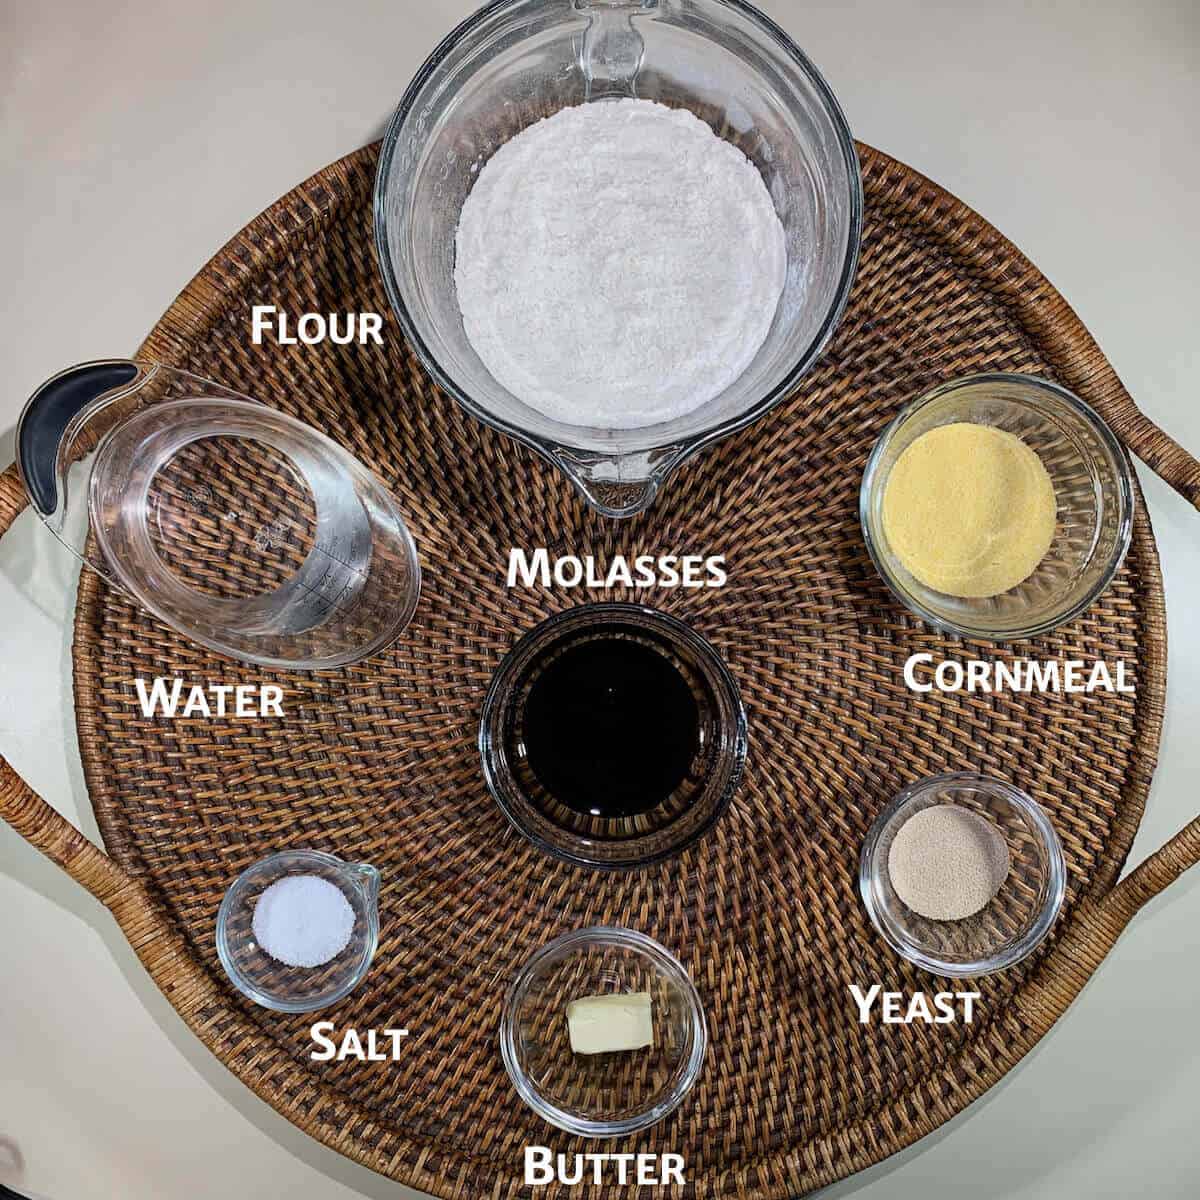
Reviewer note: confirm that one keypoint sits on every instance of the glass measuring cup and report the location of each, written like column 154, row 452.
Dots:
column 514, row 62
column 243, row 528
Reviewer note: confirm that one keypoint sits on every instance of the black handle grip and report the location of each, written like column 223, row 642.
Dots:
column 49, row 412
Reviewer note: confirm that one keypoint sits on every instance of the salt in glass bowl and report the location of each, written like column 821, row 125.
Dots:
column 611, row 1094
column 1016, row 920
column 1093, row 488
column 271, row 983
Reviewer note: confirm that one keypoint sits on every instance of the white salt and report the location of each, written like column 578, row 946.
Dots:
column 303, row 920
column 618, row 264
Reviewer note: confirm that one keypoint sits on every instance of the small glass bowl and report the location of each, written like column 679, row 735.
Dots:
column 601, row 1095
column 1093, row 485
column 624, row 842
column 271, row 983
column 1013, row 924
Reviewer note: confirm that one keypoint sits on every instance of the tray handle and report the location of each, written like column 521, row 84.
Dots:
column 1176, row 467
column 1098, row 925
column 39, row 824
column 1154, row 446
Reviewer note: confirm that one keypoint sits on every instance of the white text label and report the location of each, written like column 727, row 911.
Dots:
column 313, row 328
column 209, row 699
column 646, row 570
column 351, row 1045
column 1019, row 675
column 543, row 1166
column 940, row 1009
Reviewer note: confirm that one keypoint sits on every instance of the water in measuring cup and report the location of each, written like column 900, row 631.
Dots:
column 252, row 533
column 235, row 519
column 240, row 526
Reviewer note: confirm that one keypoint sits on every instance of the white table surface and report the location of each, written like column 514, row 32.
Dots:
column 136, row 139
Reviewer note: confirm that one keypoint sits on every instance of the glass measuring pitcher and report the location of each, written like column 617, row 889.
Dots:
column 515, row 62
column 241, row 527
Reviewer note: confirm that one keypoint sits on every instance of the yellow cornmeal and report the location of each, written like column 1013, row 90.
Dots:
column 969, row 510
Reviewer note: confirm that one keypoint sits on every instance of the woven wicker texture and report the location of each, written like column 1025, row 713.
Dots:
column 378, row 762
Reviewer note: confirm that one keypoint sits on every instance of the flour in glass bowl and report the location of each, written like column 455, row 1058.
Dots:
column 618, row 264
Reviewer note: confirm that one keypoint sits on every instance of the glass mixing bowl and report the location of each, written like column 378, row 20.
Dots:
column 1093, row 487
column 601, row 1095
column 1017, row 919
column 516, row 61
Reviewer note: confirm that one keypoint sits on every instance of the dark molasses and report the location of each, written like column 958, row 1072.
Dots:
column 611, row 727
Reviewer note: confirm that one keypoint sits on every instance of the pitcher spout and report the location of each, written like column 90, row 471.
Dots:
column 612, row 50
column 617, row 485
column 366, row 877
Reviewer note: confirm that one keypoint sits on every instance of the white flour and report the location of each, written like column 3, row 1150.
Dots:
column 618, row 264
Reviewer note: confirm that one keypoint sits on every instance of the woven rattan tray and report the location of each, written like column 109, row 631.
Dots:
column 379, row 761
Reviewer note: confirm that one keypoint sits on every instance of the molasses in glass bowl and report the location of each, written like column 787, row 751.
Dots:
column 613, row 736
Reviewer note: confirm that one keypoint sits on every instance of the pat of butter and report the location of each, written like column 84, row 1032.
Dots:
column 598, row 1024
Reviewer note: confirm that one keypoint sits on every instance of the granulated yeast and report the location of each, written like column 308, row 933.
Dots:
column 947, row 862
column 618, row 264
